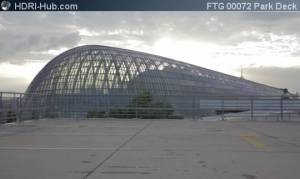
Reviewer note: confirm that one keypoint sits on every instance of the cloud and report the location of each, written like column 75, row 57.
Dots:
column 228, row 29
column 35, row 36
column 17, row 48
column 296, row 53
column 42, row 31
column 26, row 33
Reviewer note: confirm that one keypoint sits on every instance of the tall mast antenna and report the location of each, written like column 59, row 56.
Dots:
column 242, row 72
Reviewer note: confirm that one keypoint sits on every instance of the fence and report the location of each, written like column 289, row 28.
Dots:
column 20, row 106
column 253, row 108
column 13, row 108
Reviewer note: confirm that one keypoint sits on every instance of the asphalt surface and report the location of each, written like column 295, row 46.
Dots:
column 135, row 149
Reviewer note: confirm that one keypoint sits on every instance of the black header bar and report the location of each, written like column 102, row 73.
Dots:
column 150, row 5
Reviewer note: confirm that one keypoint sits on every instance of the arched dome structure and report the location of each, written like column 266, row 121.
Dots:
column 94, row 77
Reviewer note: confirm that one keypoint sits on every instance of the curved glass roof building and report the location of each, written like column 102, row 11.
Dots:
column 102, row 79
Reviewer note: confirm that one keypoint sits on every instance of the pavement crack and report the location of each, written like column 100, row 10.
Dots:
column 117, row 150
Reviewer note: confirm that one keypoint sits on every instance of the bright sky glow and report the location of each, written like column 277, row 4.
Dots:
column 225, row 42
column 227, row 60
column 26, row 71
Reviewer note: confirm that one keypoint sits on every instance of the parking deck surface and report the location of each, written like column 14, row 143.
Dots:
column 135, row 149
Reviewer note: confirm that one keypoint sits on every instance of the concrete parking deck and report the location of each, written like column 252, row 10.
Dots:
column 135, row 149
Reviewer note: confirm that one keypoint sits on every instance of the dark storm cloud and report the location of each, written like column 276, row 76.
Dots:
column 275, row 76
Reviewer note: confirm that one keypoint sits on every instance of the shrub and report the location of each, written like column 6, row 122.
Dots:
column 96, row 114
column 142, row 106
column 11, row 117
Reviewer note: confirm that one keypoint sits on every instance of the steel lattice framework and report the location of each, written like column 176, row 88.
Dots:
column 100, row 77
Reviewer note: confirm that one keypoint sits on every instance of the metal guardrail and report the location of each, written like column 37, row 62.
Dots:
column 10, row 106
column 13, row 107
column 259, row 107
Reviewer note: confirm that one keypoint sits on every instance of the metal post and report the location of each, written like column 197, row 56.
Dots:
column 108, row 100
column 281, row 108
column 193, row 108
column 223, row 110
column 196, row 108
column 1, row 109
column 20, row 109
column 252, row 109
column 136, row 106
column 199, row 108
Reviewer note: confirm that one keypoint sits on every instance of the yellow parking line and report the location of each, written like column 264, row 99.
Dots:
column 253, row 140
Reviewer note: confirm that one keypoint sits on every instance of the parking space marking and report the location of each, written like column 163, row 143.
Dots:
column 253, row 139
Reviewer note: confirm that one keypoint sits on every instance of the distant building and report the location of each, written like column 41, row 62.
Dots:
column 99, row 78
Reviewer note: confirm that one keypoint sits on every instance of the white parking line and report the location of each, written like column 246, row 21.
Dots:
column 57, row 148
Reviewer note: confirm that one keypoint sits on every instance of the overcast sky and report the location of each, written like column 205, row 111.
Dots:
column 266, row 45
